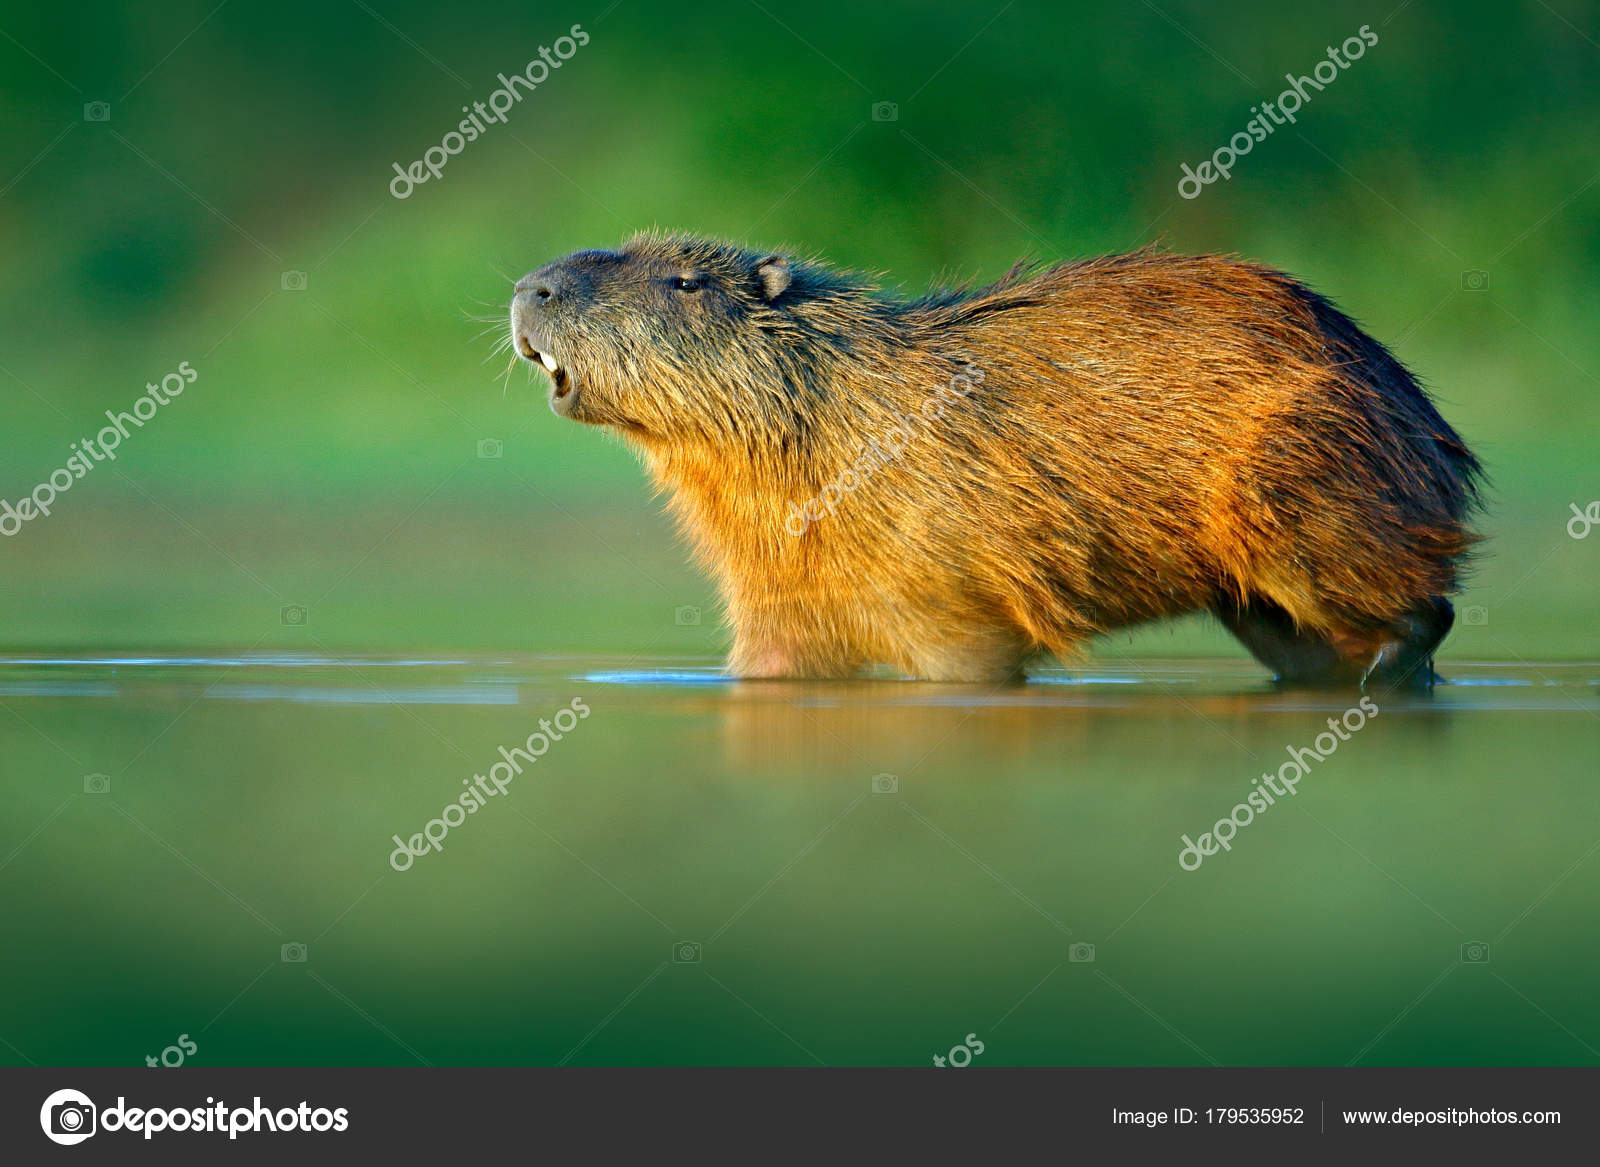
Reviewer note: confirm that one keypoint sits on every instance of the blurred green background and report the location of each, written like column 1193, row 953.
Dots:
column 327, row 455
column 351, row 480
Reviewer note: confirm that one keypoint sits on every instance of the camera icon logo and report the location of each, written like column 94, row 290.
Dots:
column 293, row 953
column 97, row 783
column 885, row 784
column 1081, row 953
column 491, row 448
column 885, row 111
column 686, row 952
column 1475, row 952
column 293, row 281
column 97, row 111
column 686, row 616
column 68, row 1117
column 293, row 615
column 1475, row 616
column 1474, row 281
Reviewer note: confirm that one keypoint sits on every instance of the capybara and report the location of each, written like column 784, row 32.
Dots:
column 954, row 484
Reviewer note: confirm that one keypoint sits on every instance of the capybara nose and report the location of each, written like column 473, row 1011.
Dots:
column 550, row 287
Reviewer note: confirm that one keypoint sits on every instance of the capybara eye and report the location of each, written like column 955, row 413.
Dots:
column 686, row 284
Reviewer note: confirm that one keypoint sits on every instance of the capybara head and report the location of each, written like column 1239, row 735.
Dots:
column 673, row 337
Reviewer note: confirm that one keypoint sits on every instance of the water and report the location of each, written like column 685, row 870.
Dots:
column 709, row 871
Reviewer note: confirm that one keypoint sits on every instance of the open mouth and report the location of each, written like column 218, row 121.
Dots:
column 558, row 374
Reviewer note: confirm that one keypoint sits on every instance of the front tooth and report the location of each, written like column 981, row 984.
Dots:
column 549, row 361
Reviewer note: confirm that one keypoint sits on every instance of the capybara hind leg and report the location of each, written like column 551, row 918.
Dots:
column 1294, row 655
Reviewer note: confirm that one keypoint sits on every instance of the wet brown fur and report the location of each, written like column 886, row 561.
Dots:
column 1132, row 437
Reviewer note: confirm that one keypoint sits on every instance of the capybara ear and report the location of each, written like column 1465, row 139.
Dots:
column 774, row 274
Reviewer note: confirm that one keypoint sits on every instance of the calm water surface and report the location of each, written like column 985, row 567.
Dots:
column 697, row 870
